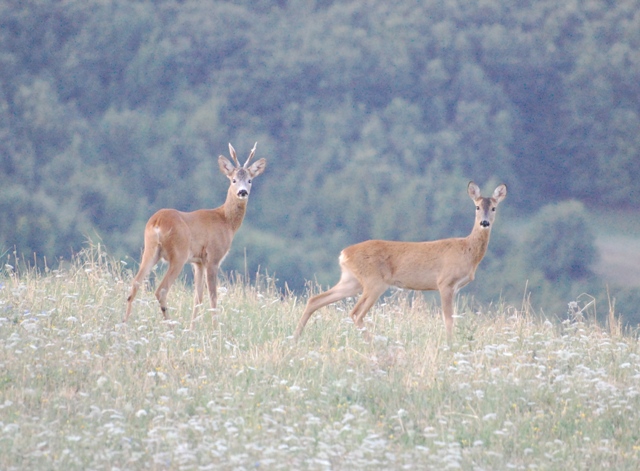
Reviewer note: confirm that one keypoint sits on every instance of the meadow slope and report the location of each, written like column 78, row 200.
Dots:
column 79, row 390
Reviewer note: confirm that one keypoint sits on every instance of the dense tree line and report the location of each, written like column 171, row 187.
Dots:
column 373, row 115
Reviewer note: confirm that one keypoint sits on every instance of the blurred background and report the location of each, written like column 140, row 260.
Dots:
column 373, row 116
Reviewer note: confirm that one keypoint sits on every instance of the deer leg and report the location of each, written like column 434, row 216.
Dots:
column 447, row 294
column 169, row 278
column 149, row 259
column 212, row 286
column 347, row 286
column 369, row 296
column 198, row 290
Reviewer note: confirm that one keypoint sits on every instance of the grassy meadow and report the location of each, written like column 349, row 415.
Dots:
column 79, row 390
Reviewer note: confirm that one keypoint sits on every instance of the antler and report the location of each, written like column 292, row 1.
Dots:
column 253, row 151
column 232, row 151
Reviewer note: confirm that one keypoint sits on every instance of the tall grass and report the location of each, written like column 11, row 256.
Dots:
column 80, row 390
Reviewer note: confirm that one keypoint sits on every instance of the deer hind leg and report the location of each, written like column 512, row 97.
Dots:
column 175, row 267
column 149, row 258
column 347, row 286
column 369, row 296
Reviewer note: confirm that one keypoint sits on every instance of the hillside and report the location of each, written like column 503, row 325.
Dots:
column 80, row 390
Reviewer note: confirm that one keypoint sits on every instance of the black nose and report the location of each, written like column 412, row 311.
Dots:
column 485, row 223
column 243, row 193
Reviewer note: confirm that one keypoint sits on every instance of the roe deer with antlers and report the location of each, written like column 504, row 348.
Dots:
column 202, row 238
column 445, row 265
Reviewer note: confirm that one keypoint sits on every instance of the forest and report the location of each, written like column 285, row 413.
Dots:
column 373, row 117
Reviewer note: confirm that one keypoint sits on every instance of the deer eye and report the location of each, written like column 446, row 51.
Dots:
column 234, row 180
column 249, row 182
column 478, row 208
column 493, row 209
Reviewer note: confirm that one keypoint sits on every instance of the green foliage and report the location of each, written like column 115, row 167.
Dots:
column 373, row 116
column 561, row 242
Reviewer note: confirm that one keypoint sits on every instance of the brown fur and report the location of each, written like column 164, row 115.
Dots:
column 445, row 265
column 202, row 238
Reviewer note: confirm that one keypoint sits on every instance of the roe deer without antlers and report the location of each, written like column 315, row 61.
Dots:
column 445, row 265
column 202, row 238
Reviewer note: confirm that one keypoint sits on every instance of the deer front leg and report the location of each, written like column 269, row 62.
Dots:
column 447, row 294
column 212, row 282
column 198, row 289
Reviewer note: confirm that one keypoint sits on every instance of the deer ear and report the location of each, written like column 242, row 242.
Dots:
column 474, row 191
column 257, row 168
column 225, row 165
column 500, row 192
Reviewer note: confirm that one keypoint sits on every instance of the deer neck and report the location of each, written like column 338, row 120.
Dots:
column 478, row 242
column 234, row 210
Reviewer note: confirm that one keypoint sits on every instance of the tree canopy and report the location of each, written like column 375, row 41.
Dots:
column 373, row 115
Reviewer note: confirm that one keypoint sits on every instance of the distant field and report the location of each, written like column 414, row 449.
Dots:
column 619, row 260
column 618, row 240
column 79, row 390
